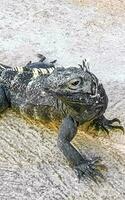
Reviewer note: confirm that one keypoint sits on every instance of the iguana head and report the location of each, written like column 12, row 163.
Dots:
column 74, row 86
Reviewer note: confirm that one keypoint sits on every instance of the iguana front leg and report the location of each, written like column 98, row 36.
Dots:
column 83, row 166
column 106, row 124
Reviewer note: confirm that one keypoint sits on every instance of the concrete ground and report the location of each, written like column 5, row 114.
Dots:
column 31, row 166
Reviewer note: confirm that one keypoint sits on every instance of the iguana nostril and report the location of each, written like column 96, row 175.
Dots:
column 93, row 88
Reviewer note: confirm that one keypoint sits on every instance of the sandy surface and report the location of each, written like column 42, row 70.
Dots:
column 31, row 166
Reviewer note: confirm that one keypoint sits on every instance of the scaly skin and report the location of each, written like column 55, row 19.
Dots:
column 72, row 95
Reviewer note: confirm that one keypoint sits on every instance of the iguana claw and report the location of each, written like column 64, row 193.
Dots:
column 106, row 125
column 91, row 169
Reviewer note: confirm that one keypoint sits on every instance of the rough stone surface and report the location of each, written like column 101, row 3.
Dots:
column 31, row 166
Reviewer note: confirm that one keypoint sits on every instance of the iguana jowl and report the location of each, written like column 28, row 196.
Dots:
column 72, row 95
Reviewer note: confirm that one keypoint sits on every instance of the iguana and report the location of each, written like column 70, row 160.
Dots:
column 73, row 95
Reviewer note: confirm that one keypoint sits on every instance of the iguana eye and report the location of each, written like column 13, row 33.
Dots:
column 74, row 84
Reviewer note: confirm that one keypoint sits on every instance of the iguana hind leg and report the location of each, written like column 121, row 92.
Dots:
column 83, row 166
column 4, row 102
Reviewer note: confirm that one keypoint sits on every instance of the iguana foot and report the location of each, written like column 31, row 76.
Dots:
column 106, row 125
column 91, row 169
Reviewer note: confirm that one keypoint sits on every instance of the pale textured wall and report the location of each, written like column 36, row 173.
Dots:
column 115, row 7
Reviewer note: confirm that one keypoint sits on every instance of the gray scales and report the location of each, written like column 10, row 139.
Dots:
column 72, row 95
